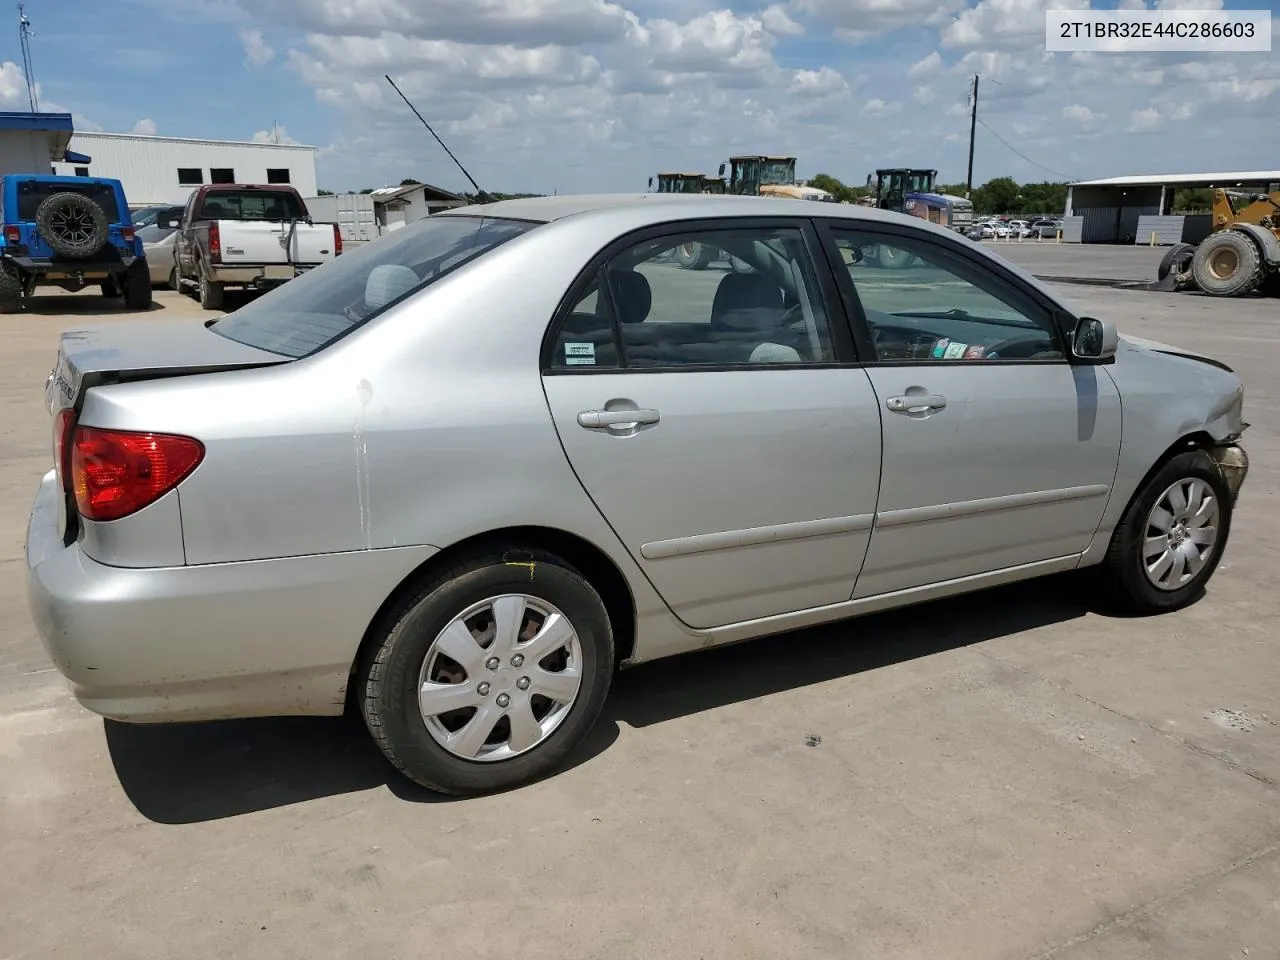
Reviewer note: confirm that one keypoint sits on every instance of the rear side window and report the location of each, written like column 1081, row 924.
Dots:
column 310, row 312
column 32, row 193
column 252, row 205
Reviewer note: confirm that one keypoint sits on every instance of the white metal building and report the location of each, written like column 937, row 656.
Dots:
column 396, row 206
column 164, row 170
column 31, row 142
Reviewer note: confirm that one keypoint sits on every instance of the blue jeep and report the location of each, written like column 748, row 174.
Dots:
column 68, row 232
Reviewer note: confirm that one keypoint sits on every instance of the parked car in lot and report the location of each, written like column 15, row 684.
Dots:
column 1019, row 229
column 442, row 476
column 248, row 236
column 158, row 242
column 1046, row 229
column 68, row 232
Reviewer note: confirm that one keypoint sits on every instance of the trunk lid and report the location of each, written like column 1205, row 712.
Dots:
column 143, row 350
column 275, row 241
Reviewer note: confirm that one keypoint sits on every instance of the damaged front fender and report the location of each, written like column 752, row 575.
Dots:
column 1233, row 463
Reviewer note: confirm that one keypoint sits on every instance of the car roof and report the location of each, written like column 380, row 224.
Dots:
column 665, row 206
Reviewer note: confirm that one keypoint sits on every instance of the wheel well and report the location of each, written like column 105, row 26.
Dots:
column 592, row 562
column 1198, row 440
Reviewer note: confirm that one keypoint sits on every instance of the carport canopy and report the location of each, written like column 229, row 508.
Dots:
column 1150, row 190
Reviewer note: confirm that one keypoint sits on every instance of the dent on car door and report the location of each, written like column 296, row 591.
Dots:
column 706, row 415
column 998, row 451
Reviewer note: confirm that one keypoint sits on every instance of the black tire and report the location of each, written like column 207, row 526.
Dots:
column 1228, row 264
column 172, row 282
column 209, row 293
column 137, row 285
column 694, row 255
column 1122, row 574
column 10, row 289
column 109, row 288
column 388, row 677
column 72, row 224
column 1176, row 260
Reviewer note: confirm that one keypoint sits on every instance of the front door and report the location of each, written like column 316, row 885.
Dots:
column 998, row 451
column 704, row 413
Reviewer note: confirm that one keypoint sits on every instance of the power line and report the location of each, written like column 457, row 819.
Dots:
column 25, row 34
column 1056, row 173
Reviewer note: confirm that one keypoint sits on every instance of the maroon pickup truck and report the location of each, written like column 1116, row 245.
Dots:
column 248, row 236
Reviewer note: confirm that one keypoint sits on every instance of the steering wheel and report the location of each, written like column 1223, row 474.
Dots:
column 1016, row 348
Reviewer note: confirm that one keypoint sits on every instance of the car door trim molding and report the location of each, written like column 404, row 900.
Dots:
column 780, row 623
column 969, row 508
column 756, row 536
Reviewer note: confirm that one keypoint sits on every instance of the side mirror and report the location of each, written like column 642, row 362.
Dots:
column 1094, row 340
column 651, row 183
column 868, row 179
column 852, row 254
column 721, row 170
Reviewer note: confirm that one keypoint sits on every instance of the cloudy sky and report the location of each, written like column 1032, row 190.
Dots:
column 572, row 95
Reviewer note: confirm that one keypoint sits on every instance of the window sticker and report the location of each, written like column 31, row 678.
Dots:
column 955, row 350
column 580, row 354
column 975, row 352
column 940, row 348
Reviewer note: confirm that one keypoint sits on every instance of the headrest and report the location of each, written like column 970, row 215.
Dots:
column 747, row 301
column 632, row 294
column 775, row 353
column 386, row 282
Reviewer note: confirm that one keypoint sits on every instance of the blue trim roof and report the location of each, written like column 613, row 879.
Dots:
column 53, row 122
column 72, row 157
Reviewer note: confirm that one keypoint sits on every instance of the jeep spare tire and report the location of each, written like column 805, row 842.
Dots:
column 72, row 224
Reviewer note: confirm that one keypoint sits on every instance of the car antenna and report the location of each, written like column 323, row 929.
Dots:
column 480, row 194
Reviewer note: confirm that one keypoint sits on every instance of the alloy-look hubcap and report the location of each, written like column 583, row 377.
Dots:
column 1181, row 534
column 500, row 678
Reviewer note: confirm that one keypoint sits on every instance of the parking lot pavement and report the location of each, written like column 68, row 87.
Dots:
column 1044, row 258
column 1009, row 775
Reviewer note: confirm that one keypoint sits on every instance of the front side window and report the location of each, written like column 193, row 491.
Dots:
column 311, row 311
column 724, row 298
column 925, row 303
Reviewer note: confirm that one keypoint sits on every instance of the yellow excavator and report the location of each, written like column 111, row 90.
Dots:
column 1238, row 257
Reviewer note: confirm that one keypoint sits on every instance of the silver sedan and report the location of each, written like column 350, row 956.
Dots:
column 458, row 476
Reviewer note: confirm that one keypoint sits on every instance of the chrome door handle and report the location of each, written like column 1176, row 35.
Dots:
column 598, row 419
column 917, row 404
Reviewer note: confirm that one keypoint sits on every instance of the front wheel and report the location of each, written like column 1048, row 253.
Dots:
column 487, row 675
column 1170, row 539
column 10, row 289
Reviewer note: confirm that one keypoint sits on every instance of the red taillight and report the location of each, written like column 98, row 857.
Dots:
column 127, row 233
column 337, row 240
column 63, row 424
column 115, row 473
column 12, row 234
column 215, row 243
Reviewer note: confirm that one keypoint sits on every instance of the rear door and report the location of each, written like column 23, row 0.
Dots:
column 712, row 416
column 998, row 451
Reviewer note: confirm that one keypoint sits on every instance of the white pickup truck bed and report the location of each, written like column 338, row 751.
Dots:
column 275, row 242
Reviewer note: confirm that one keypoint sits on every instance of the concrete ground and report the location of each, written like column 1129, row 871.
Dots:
column 1045, row 258
column 1009, row 775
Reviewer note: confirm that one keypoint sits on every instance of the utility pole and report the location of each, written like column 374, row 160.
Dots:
column 24, row 40
column 973, row 129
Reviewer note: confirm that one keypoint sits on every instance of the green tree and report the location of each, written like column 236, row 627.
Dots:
column 410, row 182
column 367, row 190
column 1192, row 201
column 324, row 193
column 1043, row 197
column 999, row 195
column 841, row 191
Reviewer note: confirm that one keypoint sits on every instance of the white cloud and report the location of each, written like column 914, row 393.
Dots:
column 818, row 83
column 1144, row 121
column 1003, row 23
column 13, row 86
column 256, row 51
column 278, row 135
column 1078, row 113
column 778, row 22
column 859, row 20
column 926, row 67
column 145, row 127
column 875, row 107
column 924, row 95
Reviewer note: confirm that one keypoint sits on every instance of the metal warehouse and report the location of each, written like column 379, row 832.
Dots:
column 164, row 170
column 1138, row 210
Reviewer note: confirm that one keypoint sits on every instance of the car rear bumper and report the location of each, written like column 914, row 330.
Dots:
column 217, row 641
column 70, row 268
column 259, row 274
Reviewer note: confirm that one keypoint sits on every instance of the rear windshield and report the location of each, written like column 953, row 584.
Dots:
column 32, row 193
column 311, row 311
column 252, row 205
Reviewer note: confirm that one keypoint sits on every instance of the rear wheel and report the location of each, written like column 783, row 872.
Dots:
column 210, row 293
column 109, row 288
column 487, row 675
column 137, row 286
column 1170, row 539
column 694, row 255
column 1227, row 264
column 10, row 289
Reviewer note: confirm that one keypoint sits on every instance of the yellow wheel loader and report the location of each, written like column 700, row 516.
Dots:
column 1238, row 257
